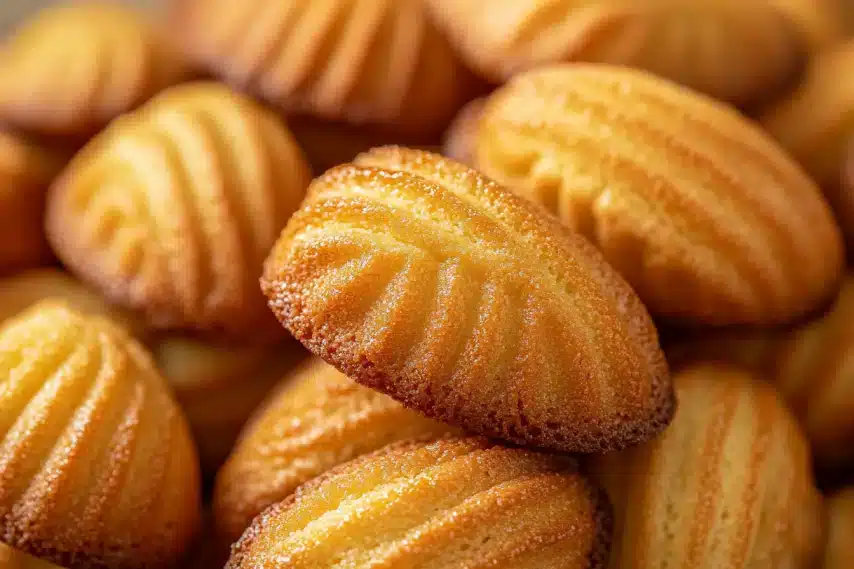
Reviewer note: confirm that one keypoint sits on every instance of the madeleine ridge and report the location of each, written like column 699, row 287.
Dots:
column 441, row 505
column 703, row 214
column 97, row 468
column 423, row 279
column 173, row 208
column 728, row 484
column 318, row 419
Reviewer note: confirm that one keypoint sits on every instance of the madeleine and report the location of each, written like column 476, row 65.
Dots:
column 442, row 505
column 173, row 208
column 700, row 211
column 97, row 468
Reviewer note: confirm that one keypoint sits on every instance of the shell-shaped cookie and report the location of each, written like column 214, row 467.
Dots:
column 839, row 552
column 821, row 22
column 26, row 171
column 441, row 505
column 13, row 559
column 172, row 209
column 378, row 62
column 219, row 386
column 816, row 123
column 97, row 468
column 737, row 51
column 318, row 419
column 812, row 365
column 421, row 278
column 705, row 216
column 728, row 484
column 74, row 66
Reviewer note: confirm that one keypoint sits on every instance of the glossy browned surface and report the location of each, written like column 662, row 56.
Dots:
column 443, row 505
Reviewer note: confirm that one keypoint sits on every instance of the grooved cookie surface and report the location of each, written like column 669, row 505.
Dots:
column 97, row 468
column 448, row 504
column 172, row 209
column 423, row 279
column 707, row 218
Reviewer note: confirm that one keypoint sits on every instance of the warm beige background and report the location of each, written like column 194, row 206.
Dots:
column 13, row 10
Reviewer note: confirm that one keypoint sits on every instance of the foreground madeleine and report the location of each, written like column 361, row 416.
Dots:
column 702, row 213
column 317, row 420
column 812, row 365
column 378, row 62
column 421, row 278
column 728, row 484
column 734, row 50
column 97, row 468
column 219, row 386
column 816, row 123
column 172, row 209
column 839, row 552
column 74, row 66
column 442, row 505
column 26, row 171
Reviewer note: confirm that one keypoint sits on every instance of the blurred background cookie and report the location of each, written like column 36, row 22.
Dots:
column 316, row 420
column 728, row 484
column 707, row 218
column 421, row 278
column 736, row 51
column 375, row 62
column 459, row 140
column 75, row 65
column 822, row 22
column 447, row 504
column 173, row 208
column 97, row 467
column 26, row 171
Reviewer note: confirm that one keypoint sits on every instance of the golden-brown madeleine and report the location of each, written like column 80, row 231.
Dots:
column 74, row 66
column 26, row 171
column 97, row 467
column 22, row 290
column 379, row 62
column 816, row 122
column 737, row 51
column 13, row 559
column 839, row 553
column 423, row 279
column 459, row 140
column 728, row 484
column 172, row 209
column 220, row 385
column 706, row 217
column 318, row 419
column 447, row 504
column 811, row 365
column 822, row 22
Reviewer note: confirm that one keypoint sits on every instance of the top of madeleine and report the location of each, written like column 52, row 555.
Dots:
column 709, row 220
column 734, row 50
column 173, row 208
column 421, row 278
column 97, row 468
column 378, row 62
column 74, row 66
column 443, row 505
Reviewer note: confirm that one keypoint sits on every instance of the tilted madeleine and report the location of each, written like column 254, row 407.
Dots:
column 839, row 552
column 172, row 209
column 219, row 386
column 728, row 484
column 74, row 66
column 26, row 171
column 737, row 51
column 822, row 22
column 702, row 213
column 442, row 505
column 318, row 419
column 812, row 365
column 378, row 62
column 816, row 123
column 21, row 290
column 97, row 468
column 421, row 278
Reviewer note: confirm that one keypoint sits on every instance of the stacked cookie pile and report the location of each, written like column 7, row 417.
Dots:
column 428, row 284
